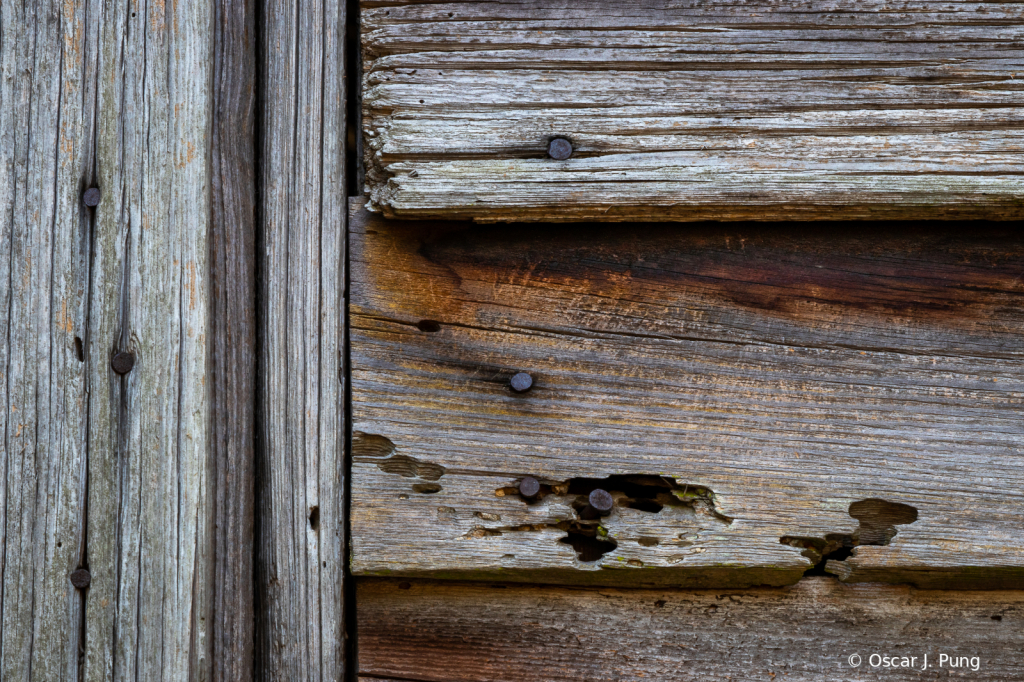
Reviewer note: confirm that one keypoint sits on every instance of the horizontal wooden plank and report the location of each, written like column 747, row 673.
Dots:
column 689, row 110
column 762, row 399
column 427, row 631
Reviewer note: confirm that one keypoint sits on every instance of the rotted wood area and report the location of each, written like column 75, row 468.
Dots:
column 823, row 110
column 427, row 631
column 758, row 402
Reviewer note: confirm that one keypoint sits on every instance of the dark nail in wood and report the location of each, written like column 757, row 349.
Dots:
column 560, row 149
column 521, row 382
column 80, row 578
column 123, row 362
column 529, row 487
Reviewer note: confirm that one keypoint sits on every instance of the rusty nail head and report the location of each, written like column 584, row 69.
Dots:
column 123, row 362
column 601, row 500
column 529, row 486
column 521, row 382
column 81, row 578
column 560, row 149
column 91, row 197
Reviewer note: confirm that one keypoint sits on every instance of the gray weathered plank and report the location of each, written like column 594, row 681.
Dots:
column 300, row 404
column 233, row 330
column 774, row 377
column 460, row 633
column 150, row 506
column 689, row 110
column 47, row 62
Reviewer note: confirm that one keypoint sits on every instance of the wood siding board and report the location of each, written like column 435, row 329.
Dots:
column 150, row 531
column 790, row 371
column 422, row 630
column 685, row 111
column 46, row 90
column 233, row 330
column 301, row 326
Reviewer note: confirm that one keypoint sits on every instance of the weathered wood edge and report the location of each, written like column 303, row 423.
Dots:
column 300, row 327
column 433, row 631
column 232, row 331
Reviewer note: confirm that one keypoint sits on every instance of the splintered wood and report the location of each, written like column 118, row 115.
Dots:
column 757, row 403
column 690, row 110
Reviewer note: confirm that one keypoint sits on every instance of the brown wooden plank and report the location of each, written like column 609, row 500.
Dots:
column 689, row 110
column 300, row 404
column 793, row 391
column 233, row 338
column 426, row 631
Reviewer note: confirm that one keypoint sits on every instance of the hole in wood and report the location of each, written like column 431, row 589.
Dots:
column 589, row 547
column 429, row 326
column 314, row 518
column 79, row 349
column 878, row 520
column 641, row 492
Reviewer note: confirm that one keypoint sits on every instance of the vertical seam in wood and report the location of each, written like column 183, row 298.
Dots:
column 351, row 82
column 322, row 360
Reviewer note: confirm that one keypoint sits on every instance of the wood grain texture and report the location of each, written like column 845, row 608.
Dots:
column 778, row 379
column 300, row 404
column 47, row 85
column 233, row 331
column 475, row 633
column 150, row 506
column 691, row 111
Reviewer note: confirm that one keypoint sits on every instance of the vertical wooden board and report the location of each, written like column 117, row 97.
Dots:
column 150, row 513
column 233, row 329
column 300, row 406
column 429, row 631
column 46, row 90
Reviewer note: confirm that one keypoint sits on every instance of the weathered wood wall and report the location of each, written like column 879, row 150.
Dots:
column 784, row 393
column 183, row 517
column 451, row 632
column 301, row 327
column 738, row 109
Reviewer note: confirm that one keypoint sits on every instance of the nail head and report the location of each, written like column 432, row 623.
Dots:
column 521, row 382
column 560, row 149
column 123, row 362
column 81, row 578
column 91, row 197
column 601, row 500
column 529, row 486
